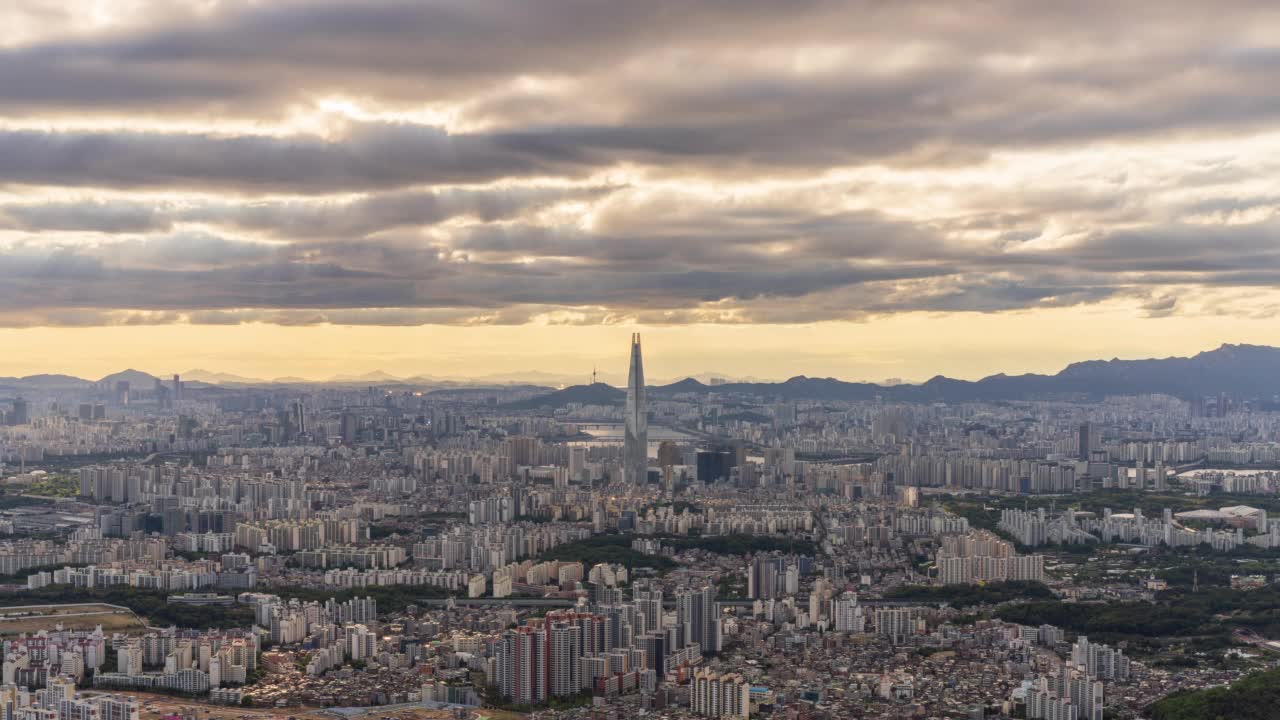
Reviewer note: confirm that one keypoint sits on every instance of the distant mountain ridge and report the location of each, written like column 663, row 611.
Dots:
column 45, row 382
column 1238, row 370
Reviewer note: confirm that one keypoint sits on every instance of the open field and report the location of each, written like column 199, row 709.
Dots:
column 31, row 618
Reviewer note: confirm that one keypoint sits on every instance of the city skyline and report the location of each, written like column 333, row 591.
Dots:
column 855, row 190
column 959, row 393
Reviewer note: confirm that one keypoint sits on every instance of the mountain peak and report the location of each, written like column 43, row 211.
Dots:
column 593, row 394
column 217, row 378
column 686, row 385
column 131, row 376
column 1230, row 348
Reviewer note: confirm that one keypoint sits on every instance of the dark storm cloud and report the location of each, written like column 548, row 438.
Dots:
column 370, row 156
column 720, row 237
column 276, row 52
column 301, row 219
column 281, row 50
column 1207, row 249
column 387, row 281
column 1160, row 306
column 185, row 250
column 92, row 215
column 391, row 317
column 383, row 155
column 979, row 292
column 196, row 271
column 668, row 84
column 293, row 219
column 374, row 156
column 687, row 102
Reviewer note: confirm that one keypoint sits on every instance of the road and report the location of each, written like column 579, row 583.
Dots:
column 524, row 602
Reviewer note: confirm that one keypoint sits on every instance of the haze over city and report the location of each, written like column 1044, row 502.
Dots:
column 639, row 360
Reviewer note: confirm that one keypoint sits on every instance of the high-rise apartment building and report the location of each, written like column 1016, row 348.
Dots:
column 521, row 656
column 720, row 696
column 648, row 600
column 563, row 662
column 846, row 614
column 772, row 576
column 699, row 621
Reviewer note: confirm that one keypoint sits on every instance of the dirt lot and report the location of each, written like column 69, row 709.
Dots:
column 32, row 618
column 156, row 706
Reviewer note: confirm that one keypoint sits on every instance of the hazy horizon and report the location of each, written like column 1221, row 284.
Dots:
column 558, row 375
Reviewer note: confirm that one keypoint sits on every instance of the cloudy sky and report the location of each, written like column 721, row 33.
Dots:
column 762, row 187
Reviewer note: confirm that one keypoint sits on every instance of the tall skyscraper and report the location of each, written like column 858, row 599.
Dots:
column 713, row 465
column 635, row 448
column 578, row 464
column 300, row 417
column 656, row 649
column 1086, row 438
column 699, row 621
column 348, row 427
column 762, row 577
column 20, row 415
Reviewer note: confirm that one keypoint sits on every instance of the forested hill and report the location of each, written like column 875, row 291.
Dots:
column 1256, row 697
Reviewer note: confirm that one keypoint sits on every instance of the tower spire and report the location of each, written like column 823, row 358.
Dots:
column 635, row 449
